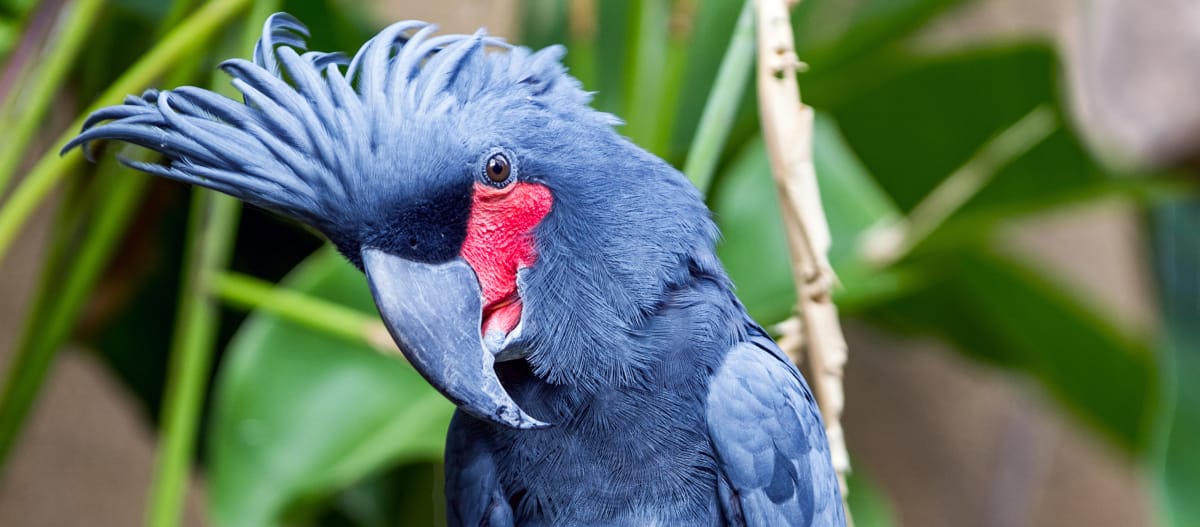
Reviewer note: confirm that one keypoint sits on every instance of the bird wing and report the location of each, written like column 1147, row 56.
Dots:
column 770, row 442
column 474, row 497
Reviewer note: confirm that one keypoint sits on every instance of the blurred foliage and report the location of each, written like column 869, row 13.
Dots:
column 307, row 428
column 1177, row 430
column 300, row 414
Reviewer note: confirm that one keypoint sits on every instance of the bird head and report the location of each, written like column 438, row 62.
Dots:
column 495, row 214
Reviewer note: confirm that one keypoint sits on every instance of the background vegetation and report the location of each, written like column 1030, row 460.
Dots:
column 281, row 392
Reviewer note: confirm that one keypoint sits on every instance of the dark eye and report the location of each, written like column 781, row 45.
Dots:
column 498, row 168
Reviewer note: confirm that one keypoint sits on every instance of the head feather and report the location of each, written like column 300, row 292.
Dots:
column 335, row 142
column 316, row 131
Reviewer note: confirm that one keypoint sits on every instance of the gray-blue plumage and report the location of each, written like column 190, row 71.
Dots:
column 767, row 432
column 669, row 405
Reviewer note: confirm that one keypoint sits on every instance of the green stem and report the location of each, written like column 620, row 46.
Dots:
column 17, row 7
column 311, row 312
column 645, row 91
column 61, row 299
column 178, row 13
column 211, row 232
column 211, row 229
column 96, row 218
column 191, row 35
column 722, row 105
column 612, row 42
column 29, row 102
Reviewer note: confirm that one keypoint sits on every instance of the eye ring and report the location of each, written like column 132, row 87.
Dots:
column 498, row 169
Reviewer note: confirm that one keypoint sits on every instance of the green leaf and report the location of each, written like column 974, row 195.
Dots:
column 914, row 130
column 149, row 10
column 16, row 8
column 8, row 37
column 999, row 310
column 978, row 218
column 300, row 414
column 1177, row 423
column 649, row 68
column 754, row 245
column 335, row 25
column 831, row 33
column 544, row 22
column 711, row 134
column 613, row 36
column 712, row 27
column 868, row 506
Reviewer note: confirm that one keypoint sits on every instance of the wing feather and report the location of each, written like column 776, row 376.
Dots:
column 770, row 442
column 474, row 497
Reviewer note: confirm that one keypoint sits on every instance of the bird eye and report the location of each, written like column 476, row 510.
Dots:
column 498, row 168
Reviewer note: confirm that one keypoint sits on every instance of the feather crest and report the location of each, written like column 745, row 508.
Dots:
column 314, row 128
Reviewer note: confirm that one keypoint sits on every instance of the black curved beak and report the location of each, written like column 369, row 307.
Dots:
column 433, row 312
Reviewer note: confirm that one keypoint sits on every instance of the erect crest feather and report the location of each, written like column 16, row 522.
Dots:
column 315, row 128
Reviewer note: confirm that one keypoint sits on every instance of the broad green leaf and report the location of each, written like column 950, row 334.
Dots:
column 976, row 219
column 1177, row 423
column 914, row 130
column 753, row 241
column 830, row 33
column 999, row 310
column 1057, row 165
column 754, row 245
column 300, row 414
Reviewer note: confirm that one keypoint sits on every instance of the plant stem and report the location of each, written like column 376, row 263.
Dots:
column 210, row 230
column 29, row 103
column 787, row 126
column 722, row 105
column 308, row 311
column 60, row 300
column 612, row 43
column 26, row 34
column 191, row 35
column 211, row 233
column 70, row 274
column 645, row 90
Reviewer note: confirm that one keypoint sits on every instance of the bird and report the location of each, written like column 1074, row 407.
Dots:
column 556, row 282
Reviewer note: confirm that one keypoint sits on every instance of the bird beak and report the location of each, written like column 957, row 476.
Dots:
column 433, row 312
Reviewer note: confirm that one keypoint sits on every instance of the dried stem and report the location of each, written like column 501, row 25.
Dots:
column 788, row 131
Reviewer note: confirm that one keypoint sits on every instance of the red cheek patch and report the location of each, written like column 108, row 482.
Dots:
column 500, row 241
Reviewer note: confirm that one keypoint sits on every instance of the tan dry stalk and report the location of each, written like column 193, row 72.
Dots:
column 788, row 131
